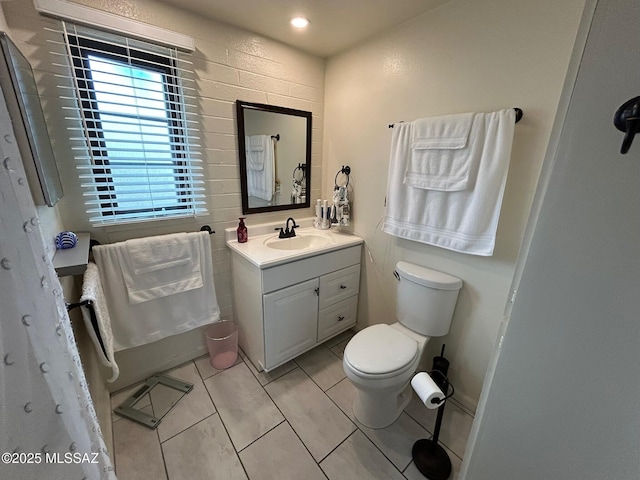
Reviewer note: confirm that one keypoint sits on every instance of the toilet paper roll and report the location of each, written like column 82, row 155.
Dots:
column 427, row 390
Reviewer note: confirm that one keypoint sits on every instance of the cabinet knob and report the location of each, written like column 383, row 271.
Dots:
column 340, row 318
column 343, row 287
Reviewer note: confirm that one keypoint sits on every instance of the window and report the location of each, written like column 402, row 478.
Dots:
column 139, row 160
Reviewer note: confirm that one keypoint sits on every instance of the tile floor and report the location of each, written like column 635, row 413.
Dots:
column 292, row 423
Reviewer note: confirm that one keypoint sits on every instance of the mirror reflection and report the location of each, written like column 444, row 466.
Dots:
column 275, row 157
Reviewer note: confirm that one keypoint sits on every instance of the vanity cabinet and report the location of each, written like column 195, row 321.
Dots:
column 285, row 310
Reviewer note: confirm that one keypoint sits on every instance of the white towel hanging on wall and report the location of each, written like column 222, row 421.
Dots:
column 260, row 155
column 135, row 324
column 155, row 267
column 443, row 152
column 464, row 221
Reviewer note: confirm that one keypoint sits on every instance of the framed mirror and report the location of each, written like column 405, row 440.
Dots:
column 274, row 146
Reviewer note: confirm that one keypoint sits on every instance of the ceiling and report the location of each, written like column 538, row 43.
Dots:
column 335, row 24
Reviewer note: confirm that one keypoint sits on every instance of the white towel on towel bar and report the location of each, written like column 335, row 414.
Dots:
column 464, row 221
column 255, row 147
column 135, row 324
column 260, row 167
column 102, row 338
column 154, row 267
column 443, row 152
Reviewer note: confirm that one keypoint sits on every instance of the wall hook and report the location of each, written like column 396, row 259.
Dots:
column 627, row 120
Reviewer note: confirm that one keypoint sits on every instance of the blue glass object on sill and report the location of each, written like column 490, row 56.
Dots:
column 66, row 240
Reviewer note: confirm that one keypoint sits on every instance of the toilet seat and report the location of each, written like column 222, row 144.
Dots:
column 380, row 351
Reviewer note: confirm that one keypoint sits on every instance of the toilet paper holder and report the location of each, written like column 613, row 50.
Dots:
column 430, row 458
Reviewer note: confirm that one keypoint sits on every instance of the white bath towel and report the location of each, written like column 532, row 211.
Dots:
column 443, row 152
column 464, row 221
column 154, row 267
column 260, row 181
column 99, row 327
column 135, row 324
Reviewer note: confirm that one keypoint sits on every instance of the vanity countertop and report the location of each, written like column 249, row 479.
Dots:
column 260, row 254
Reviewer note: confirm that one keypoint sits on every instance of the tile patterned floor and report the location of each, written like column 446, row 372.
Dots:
column 294, row 422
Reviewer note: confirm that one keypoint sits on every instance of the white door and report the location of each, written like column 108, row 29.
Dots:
column 290, row 322
column 564, row 401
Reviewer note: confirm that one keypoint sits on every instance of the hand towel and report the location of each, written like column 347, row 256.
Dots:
column 261, row 182
column 464, row 221
column 255, row 146
column 99, row 324
column 154, row 267
column 135, row 324
column 443, row 152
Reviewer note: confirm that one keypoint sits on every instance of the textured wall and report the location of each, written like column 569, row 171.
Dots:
column 464, row 56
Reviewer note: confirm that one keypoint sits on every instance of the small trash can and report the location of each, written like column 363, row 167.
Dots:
column 222, row 342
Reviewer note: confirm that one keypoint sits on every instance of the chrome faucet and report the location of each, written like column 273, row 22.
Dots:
column 288, row 232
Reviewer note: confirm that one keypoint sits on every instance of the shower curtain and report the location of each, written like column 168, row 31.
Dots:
column 48, row 426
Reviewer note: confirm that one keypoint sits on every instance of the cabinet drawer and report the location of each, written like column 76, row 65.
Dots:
column 337, row 286
column 275, row 278
column 337, row 317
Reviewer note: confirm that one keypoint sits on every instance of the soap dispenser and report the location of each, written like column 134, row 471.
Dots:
column 242, row 231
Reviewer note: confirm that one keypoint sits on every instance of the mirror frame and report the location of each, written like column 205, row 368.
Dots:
column 240, row 109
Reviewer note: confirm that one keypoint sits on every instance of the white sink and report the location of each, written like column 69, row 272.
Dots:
column 300, row 242
column 265, row 250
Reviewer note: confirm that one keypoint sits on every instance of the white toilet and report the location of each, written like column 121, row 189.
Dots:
column 381, row 359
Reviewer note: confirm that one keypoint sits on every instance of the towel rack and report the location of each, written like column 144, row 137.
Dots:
column 94, row 320
column 346, row 171
column 302, row 168
column 71, row 306
column 519, row 115
column 207, row 228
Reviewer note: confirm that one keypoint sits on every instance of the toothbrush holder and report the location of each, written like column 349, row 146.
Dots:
column 322, row 223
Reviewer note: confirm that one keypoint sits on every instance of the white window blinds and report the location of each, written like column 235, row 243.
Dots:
column 136, row 147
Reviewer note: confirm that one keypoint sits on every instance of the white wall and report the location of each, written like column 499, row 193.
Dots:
column 465, row 56
column 563, row 402
column 229, row 64
column 3, row 23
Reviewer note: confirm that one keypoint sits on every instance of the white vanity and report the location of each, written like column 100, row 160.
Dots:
column 293, row 294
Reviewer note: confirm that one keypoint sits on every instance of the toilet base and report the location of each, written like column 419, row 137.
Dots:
column 431, row 460
column 379, row 410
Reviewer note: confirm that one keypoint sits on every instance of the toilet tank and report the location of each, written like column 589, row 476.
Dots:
column 426, row 299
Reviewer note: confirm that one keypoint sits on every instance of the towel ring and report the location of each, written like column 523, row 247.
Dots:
column 302, row 174
column 345, row 171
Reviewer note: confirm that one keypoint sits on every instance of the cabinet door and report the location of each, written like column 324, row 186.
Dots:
column 290, row 322
column 339, row 285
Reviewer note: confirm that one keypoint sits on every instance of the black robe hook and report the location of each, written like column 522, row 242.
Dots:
column 627, row 120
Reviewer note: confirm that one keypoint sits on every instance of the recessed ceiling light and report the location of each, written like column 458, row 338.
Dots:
column 299, row 22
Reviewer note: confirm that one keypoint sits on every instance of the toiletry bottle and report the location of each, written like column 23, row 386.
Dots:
column 326, row 218
column 318, row 218
column 242, row 231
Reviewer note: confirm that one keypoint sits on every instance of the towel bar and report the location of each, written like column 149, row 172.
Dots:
column 519, row 115
column 94, row 320
column 71, row 306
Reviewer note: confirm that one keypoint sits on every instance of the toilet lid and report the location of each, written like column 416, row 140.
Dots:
column 380, row 349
